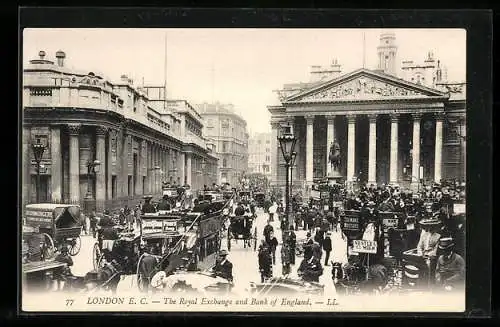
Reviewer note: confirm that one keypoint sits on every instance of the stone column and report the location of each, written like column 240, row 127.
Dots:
column 274, row 153
column 309, row 148
column 154, row 171
column 138, row 171
column 74, row 162
column 438, row 147
column 372, row 149
column 56, row 164
column 109, row 164
column 27, row 166
column 393, row 169
column 330, row 137
column 415, row 166
column 188, row 169
column 182, row 167
column 100, row 189
column 351, row 147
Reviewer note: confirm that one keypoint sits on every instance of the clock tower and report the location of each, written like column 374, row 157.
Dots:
column 387, row 51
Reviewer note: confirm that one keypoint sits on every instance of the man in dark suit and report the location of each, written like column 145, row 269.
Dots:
column 164, row 204
column 223, row 268
column 327, row 246
column 147, row 207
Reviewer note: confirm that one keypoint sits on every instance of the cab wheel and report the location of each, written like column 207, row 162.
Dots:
column 48, row 247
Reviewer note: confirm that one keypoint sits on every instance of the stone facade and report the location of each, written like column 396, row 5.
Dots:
column 390, row 130
column 228, row 132
column 259, row 154
column 83, row 117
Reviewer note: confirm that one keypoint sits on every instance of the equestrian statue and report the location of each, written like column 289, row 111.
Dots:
column 334, row 156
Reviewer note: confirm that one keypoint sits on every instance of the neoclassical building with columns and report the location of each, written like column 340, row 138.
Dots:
column 393, row 127
column 139, row 138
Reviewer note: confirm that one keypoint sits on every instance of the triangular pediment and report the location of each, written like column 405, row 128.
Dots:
column 362, row 85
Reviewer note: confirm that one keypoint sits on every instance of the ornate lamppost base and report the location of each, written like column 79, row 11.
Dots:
column 89, row 204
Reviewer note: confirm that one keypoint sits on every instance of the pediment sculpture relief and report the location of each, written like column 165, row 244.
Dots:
column 362, row 87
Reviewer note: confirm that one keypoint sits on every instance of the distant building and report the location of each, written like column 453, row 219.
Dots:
column 394, row 124
column 139, row 139
column 227, row 131
column 259, row 154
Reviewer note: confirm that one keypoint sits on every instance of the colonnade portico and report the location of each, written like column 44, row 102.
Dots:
column 349, row 152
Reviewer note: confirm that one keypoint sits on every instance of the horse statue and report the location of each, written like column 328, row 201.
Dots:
column 334, row 156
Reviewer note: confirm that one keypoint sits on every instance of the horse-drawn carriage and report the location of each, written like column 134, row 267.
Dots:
column 57, row 224
column 241, row 228
column 186, row 242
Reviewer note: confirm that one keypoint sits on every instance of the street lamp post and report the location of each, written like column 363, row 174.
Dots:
column 203, row 166
column 38, row 149
column 287, row 144
column 92, row 168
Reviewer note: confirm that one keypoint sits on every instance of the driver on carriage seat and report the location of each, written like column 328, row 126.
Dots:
column 147, row 207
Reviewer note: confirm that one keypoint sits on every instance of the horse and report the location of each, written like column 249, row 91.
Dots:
column 334, row 156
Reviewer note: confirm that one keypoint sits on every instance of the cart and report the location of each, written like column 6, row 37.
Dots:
column 240, row 228
column 58, row 224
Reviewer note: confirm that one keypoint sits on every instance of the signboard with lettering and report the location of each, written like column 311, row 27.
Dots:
column 363, row 246
column 315, row 194
column 351, row 221
column 38, row 218
column 155, row 225
column 390, row 223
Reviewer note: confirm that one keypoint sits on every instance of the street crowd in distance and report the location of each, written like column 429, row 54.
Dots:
column 422, row 249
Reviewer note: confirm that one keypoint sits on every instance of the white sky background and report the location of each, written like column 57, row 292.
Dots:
column 248, row 64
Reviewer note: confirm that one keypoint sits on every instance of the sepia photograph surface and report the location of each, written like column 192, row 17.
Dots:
column 240, row 170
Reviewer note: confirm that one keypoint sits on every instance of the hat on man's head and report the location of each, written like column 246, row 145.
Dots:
column 446, row 243
column 223, row 253
column 308, row 234
column 147, row 197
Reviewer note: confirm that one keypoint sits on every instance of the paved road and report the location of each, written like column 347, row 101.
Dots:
column 245, row 260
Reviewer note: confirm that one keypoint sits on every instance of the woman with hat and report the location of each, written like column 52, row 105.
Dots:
column 450, row 267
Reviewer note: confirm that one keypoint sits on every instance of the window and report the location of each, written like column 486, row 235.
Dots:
column 224, row 146
column 113, row 186
column 268, row 158
column 267, row 141
column 267, row 149
column 224, row 163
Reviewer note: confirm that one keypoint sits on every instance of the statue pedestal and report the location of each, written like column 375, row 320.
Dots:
column 334, row 176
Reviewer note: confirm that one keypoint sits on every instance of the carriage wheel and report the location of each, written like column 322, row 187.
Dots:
column 49, row 248
column 74, row 246
column 255, row 239
column 96, row 255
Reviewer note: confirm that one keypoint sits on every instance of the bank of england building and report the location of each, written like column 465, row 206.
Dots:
column 140, row 139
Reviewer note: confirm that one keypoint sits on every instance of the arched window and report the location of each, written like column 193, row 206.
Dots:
column 224, row 163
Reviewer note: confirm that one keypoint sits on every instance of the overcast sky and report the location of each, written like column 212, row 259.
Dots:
column 239, row 66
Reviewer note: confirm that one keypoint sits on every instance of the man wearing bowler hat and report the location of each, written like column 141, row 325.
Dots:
column 428, row 244
column 450, row 267
column 223, row 268
column 147, row 207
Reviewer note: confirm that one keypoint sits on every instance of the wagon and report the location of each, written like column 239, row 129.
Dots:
column 57, row 224
column 240, row 228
